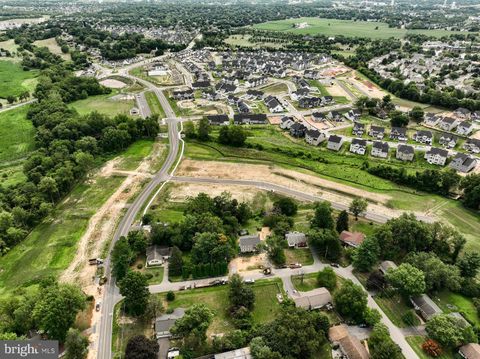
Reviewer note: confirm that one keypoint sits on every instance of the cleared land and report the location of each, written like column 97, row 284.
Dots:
column 14, row 80
column 105, row 104
column 333, row 27
column 16, row 134
column 53, row 47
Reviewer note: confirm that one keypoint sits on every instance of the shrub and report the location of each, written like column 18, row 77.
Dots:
column 169, row 310
column 410, row 318
column 148, row 276
column 139, row 266
column 432, row 348
column 170, row 296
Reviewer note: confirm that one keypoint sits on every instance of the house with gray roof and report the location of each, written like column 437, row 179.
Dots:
column 405, row 153
column 463, row 163
column 358, row 146
column 165, row 322
column 423, row 136
column 380, row 149
column 249, row 243
column 334, row 142
column 472, row 145
column 314, row 137
column 296, row 239
column 436, row 156
column 425, row 306
column 314, row 299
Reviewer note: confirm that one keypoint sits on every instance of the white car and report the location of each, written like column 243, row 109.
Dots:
column 249, row 281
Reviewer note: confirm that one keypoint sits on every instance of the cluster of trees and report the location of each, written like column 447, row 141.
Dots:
column 231, row 135
column 471, row 191
column 242, row 300
column 67, row 146
column 208, row 231
column 430, row 180
column 53, row 309
column 280, row 221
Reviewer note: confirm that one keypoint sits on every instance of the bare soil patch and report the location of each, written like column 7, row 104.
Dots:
column 112, row 83
column 181, row 191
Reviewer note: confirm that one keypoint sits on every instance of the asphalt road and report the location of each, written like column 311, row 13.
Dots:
column 111, row 294
column 375, row 217
column 143, row 105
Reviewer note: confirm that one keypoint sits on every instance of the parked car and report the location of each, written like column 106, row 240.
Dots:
column 97, row 307
column 295, row 265
column 335, row 265
column 249, row 281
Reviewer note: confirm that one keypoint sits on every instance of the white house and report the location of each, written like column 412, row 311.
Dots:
column 436, row 156
column 358, row 146
column 380, row 149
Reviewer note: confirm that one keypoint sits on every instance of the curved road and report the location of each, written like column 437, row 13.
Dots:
column 111, row 294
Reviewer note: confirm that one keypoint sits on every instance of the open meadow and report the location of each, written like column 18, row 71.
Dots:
column 53, row 47
column 108, row 104
column 16, row 134
column 334, row 27
column 14, row 80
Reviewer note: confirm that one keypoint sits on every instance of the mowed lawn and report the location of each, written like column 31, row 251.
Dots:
column 104, row 104
column 216, row 298
column 333, row 27
column 53, row 47
column 16, row 134
column 14, row 80
column 51, row 246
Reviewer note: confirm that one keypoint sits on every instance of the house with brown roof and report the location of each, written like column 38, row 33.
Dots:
column 470, row 351
column 350, row 346
column 352, row 239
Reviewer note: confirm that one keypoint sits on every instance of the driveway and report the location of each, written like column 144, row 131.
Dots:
column 164, row 344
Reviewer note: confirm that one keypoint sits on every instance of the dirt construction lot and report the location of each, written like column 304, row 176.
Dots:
column 299, row 181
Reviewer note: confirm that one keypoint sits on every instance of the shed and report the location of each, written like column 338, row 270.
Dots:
column 425, row 306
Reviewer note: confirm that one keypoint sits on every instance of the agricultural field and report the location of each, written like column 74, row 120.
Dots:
column 105, row 104
column 53, row 47
column 16, row 134
column 333, row 27
column 14, row 80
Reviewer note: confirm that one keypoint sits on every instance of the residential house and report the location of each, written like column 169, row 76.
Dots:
column 405, row 153
column 242, row 107
column 430, row 119
column 314, row 137
column 436, row 156
column 462, row 113
column 298, row 129
column 314, row 299
column 464, row 128
column 385, row 266
column 183, row 95
column 470, row 351
column 447, row 123
column 296, row 239
column 447, row 140
column 463, row 163
column 334, row 116
column 286, row 122
column 358, row 146
column 165, row 322
column 425, row 306
column 354, row 114
column 380, row 149
column 255, row 81
column 254, row 94
column 318, row 116
column 327, row 100
column 300, row 93
column 352, row 239
column 475, row 116
column 350, row 345
column 399, row 134
column 273, row 104
column 210, row 95
column 377, row 132
column 310, row 102
column 424, row 136
column 472, row 145
column 218, row 120
column 334, row 142
column 249, row 243
column 201, row 84
column 250, row 119
column 242, row 353
column 156, row 255
column 358, row 129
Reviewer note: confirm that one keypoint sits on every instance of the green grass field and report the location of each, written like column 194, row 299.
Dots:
column 14, row 81
column 103, row 104
column 134, row 154
column 53, row 47
column 333, row 27
column 416, row 342
column 299, row 255
column 394, row 308
column 51, row 246
column 452, row 302
column 16, row 134
column 154, row 104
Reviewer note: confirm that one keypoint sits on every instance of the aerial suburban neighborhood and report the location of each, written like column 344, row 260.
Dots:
column 240, row 180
